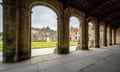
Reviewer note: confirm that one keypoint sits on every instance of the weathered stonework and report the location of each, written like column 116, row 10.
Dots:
column 118, row 36
column 95, row 23
column 17, row 25
column 109, row 35
column 114, row 36
column 82, row 44
column 103, row 35
column 17, row 29
column 10, row 34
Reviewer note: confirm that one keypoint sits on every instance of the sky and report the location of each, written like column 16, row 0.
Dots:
column 1, row 18
column 43, row 16
column 74, row 22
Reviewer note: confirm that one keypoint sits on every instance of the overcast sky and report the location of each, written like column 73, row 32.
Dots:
column 0, row 17
column 42, row 17
column 74, row 22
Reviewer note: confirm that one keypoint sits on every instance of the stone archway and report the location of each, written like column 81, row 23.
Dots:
column 74, row 32
column 82, row 44
column 58, row 12
column 95, row 32
column 43, row 30
column 16, row 21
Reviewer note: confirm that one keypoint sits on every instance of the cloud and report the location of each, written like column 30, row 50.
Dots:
column 74, row 22
column 1, row 19
column 43, row 16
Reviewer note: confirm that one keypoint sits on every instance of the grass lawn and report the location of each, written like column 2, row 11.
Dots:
column 35, row 45
column 1, row 46
column 48, row 44
column 43, row 44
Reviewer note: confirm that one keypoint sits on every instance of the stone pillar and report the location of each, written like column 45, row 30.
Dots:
column 104, row 35
column 63, row 33
column 10, row 31
column 24, row 49
column 118, row 36
column 101, row 32
column 114, row 37
column 110, row 35
column 84, row 35
column 96, row 42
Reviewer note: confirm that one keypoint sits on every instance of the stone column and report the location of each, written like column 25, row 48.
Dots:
column 110, row 35
column 10, row 31
column 96, row 42
column 24, row 49
column 114, row 37
column 84, row 35
column 104, row 35
column 101, row 30
column 63, row 33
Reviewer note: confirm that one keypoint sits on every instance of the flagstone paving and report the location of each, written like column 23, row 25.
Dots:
column 105, row 59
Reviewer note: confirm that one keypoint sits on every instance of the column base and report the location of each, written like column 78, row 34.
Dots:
column 110, row 44
column 97, row 46
column 105, row 45
column 80, row 47
column 61, row 51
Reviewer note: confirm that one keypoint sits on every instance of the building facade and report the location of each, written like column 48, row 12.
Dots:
column 43, row 34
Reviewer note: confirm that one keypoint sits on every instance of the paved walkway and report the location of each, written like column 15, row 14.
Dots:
column 44, row 51
column 95, row 60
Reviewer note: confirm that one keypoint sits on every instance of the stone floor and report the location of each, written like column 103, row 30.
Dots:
column 42, row 51
column 105, row 59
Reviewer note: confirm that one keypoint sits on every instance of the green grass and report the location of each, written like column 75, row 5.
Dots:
column 1, row 46
column 35, row 45
column 43, row 44
column 48, row 44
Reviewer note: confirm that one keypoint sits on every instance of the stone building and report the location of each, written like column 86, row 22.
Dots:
column 17, row 25
column 43, row 34
column 74, row 34
column 47, row 34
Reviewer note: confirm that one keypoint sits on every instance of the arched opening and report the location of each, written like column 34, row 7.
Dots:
column 43, row 30
column 1, row 32
column 90, row 35
column 74, row 32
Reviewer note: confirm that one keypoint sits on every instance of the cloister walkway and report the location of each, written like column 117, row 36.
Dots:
column 42, row 51
column 105, row 59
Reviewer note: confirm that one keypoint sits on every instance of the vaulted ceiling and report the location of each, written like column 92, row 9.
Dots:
column 104, row 10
